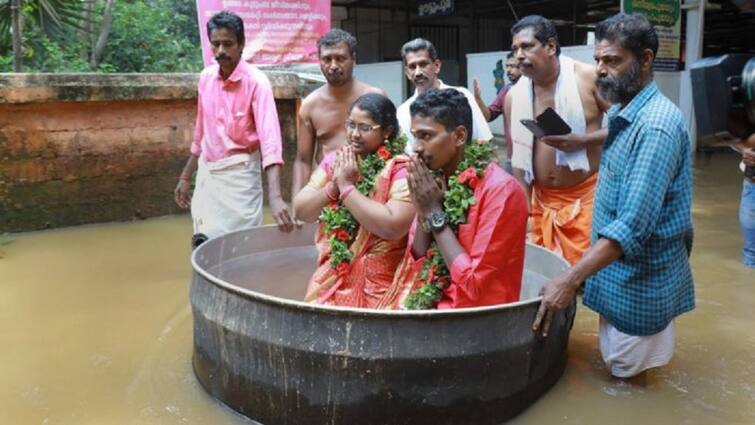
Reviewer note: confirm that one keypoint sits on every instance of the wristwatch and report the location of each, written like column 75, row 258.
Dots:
column 437, row 221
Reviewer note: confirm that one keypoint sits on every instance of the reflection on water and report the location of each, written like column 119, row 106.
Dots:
column 281, row 273
column 96, row 329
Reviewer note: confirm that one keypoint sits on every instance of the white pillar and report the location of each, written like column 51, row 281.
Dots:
column 694, row 50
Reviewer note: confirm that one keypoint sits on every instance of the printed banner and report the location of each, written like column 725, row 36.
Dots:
column 277, row 32
column 666, row 16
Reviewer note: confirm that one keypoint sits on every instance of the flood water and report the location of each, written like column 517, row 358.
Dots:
column 96, row 328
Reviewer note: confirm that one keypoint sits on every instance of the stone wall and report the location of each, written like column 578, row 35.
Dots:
column 88, row 148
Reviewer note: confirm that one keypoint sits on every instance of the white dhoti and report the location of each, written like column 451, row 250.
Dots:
column 628, row 355
column 227, row 195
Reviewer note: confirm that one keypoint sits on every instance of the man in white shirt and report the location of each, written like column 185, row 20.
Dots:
column 421, row 67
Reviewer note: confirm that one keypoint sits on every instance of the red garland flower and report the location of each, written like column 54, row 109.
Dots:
column 333, row 204
column 342, row 235
column 384, row 153
column 467, row 174
column 473, row 182
column 342, row 269
column 431, row 274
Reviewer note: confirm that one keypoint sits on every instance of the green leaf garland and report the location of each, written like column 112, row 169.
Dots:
column 339, row 225
column 456, row 202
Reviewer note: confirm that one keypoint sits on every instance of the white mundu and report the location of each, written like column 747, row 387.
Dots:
column 628, row 355
column 228, row 195
column 480, row 130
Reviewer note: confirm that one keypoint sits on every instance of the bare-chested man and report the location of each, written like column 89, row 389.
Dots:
column 558, row 172
column 323, row 113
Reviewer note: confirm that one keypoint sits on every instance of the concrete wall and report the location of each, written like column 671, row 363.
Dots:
column 389, row 76
column 87, row 148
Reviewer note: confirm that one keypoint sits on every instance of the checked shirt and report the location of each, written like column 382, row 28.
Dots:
column 643, row 202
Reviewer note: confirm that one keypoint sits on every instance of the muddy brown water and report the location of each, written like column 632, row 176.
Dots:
column 95, row 327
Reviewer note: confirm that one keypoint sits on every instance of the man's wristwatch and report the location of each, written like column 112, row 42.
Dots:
column 437, row 221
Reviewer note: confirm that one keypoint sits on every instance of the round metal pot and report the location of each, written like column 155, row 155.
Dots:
column 280, row 361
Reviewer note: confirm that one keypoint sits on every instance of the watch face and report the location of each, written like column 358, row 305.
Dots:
column 437, row 221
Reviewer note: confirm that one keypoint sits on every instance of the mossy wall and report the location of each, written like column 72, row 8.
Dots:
column 90, row 148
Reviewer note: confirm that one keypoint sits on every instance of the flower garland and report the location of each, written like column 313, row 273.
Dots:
column 340, row 226
column 456, row 202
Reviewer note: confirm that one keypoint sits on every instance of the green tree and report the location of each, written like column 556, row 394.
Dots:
column 144, row 36
column 42, row 53
column 152, row 36
column 55, row 18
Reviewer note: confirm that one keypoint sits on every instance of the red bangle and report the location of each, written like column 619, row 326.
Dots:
column 346, row 192
column 331, row 190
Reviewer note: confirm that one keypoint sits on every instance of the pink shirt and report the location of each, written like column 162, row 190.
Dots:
column 236, row 115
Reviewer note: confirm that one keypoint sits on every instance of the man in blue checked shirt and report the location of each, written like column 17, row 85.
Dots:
column 637, row 270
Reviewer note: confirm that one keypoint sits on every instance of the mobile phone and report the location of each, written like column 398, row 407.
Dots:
column 532, row 126
column 552, row 123
column 549, row 123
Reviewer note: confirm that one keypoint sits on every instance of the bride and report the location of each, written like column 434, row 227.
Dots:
column 361, row 197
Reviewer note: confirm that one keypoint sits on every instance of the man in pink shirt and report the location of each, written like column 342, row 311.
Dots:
column 237, row 133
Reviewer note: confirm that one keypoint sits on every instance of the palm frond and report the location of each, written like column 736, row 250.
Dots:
column 55, row 17
column 5, row 23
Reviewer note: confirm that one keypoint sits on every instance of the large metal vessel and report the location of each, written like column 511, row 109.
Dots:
column 280, row 361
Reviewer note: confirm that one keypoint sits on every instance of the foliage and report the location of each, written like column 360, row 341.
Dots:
column 456, row 202
column 429, row 294
column 55, row 18
column 146, row 36
column 184, row 18
column 372, row 164
column 460, row 194
column 44, row 54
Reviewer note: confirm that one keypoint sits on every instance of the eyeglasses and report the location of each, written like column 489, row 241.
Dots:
column 361, row 127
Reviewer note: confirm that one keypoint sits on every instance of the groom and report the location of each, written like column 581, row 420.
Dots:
column 484, row 255
column 561, row 190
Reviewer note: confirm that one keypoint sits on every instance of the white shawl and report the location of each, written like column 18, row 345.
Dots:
column 568, row 106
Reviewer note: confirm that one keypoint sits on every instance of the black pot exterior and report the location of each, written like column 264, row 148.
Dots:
column 282, row 362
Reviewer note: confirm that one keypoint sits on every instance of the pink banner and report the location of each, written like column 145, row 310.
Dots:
column 277, row 31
